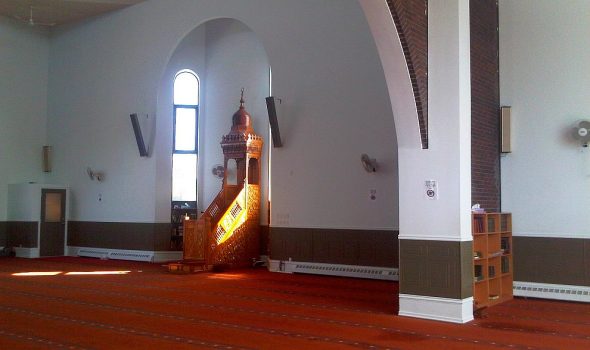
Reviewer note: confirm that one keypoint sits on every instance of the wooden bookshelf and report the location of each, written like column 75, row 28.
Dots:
column 492, row 258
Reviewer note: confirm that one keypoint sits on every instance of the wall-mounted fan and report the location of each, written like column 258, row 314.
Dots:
column 370, row 164
column 94, row 175
column 218, row 171
column 30, row 21
column 583, row 132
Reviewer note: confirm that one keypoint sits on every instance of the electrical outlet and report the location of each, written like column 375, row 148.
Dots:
column 372, row 194
column 431, row 189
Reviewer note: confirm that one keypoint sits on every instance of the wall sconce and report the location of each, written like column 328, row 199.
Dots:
column 46, row 159
column 99, row 176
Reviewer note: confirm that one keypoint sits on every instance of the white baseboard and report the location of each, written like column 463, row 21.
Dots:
column 125, row 254
column 372, row 272
column 551, row 291
column 435, row 308
column 29, row 253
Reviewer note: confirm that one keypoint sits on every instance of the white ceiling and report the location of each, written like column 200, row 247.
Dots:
column 50, row 13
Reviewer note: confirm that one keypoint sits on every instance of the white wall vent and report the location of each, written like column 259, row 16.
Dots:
column 551, row 291
column 120, row 254
column 91, row 253
column 132, row 256
column 372, row 272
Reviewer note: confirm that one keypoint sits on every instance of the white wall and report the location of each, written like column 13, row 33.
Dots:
column 235, row 59
column 190, row 54
column 325, row 67
column 545, row 77
column 227, row 56
column 23, row 105
column 448, row 158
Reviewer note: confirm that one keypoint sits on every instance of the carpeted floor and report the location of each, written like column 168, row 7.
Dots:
column 148, row 308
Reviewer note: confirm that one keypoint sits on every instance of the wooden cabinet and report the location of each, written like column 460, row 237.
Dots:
column 492, row 258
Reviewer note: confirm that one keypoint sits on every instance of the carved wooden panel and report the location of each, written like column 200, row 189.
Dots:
column 195, row 236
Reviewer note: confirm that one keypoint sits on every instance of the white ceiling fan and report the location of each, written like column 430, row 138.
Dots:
column 30, row 21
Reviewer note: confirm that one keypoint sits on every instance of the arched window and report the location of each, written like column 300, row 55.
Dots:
column 185, row 139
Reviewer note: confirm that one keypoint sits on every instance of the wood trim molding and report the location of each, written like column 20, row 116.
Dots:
column 335, row 246
column 120, row 235
column 441, row 269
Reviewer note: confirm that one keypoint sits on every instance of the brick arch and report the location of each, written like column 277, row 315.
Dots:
column 411, row 21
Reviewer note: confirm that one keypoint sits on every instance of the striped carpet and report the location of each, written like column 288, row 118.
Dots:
column 95, row 304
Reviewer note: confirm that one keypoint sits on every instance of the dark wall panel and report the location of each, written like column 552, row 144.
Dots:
column 485, row 102
column 119, row 235
column 552, row 260
column 3, row 234
column 22, row 234
column 335, row 246
column 264, row 240
column 436, row 268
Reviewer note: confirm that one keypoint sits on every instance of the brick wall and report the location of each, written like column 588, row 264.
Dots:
column 485, row 101
column 411, row 20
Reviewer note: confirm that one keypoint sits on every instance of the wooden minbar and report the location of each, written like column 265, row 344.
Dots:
column 228, row 233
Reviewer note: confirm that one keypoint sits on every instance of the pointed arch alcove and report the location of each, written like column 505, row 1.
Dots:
column 227, row 56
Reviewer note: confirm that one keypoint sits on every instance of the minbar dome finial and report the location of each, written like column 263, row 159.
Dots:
column 241, row 119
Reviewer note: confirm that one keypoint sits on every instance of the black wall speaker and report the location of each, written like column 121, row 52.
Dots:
column 138, row 135
column 47, row 159
column 274, row 123
column 505, row 138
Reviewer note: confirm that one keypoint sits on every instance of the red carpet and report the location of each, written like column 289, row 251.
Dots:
column 149, row 308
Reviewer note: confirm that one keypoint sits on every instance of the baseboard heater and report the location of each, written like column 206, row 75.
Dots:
column 122, row 254
column 103, row 254
column 372, row 272
column 551, row 291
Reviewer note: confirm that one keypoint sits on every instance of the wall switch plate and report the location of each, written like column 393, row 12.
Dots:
column 431, row 189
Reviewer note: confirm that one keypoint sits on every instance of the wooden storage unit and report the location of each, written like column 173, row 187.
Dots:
column 492, row 258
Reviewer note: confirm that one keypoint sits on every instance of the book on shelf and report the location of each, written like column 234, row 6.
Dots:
column 491, row 224
column 505, row 264
column 504, row 223
column 478, row 225
column 478, row 272
column 505, row 244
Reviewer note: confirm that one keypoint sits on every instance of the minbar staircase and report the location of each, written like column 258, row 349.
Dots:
column 226, row 235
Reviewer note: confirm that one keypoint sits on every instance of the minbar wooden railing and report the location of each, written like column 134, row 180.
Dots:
column 227, row 232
